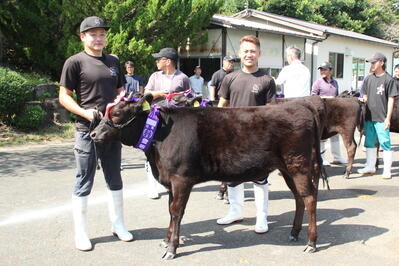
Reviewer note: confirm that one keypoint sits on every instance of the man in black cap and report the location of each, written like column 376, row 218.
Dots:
column 379, row 90
column 167, row 80
column 327, row 87
column 218, row 76
column 96, row 79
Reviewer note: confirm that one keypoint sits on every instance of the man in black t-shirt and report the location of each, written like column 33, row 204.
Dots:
column 218, row 76
column 97, row 79
column 379, row 90
column 248, row 86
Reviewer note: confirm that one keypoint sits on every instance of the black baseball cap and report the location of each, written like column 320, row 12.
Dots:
column 169, row 53
column 92, row 23
column 325, row 65
column 377, row 57
column 229, row 58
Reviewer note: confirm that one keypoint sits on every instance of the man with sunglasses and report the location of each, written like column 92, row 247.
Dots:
column 167, row 80
column 96, row 78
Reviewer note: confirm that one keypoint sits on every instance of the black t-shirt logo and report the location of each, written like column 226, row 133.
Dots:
column 113, row 71
column 380, row 89
column 255, row 88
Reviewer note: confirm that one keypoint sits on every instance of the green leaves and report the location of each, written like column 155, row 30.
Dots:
column 140, row 28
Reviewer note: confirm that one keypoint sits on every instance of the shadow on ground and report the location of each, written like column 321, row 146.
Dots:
column 208, row 233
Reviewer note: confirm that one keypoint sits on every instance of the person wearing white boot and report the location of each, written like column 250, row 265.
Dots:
column 379, row 90
column 152, row 183
column 236, row 199
column 96, row 78
column 247, row 86
column 327, row 87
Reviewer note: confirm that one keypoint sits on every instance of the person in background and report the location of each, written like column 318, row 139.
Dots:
column 197, row 82
column 379, row 90
column 97, row 79
column 294, row 78
column 134, row 83
column 327, row 87
column 248, row 86
column 396, row 72
column 167, row 80
column 217, row 77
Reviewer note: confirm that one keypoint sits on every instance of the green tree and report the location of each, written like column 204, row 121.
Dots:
column 142, row 27
column 29, row 30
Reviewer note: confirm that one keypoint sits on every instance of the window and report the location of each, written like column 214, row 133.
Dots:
column 358, row 73
column 337, row 60
column 272, row 71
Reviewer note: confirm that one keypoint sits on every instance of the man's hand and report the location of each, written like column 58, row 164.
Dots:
column 89, row 114
column 387, row 123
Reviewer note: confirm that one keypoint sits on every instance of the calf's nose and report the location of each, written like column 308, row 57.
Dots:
column 93, row 135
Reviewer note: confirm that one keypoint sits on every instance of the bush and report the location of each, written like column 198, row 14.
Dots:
column 14, row 93
column 32, row 117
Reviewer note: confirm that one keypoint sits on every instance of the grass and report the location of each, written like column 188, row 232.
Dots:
column 11, row 136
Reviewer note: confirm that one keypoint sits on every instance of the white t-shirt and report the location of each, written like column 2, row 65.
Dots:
column 295, row 79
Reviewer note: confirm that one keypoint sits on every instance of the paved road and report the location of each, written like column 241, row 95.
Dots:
column 358, row 220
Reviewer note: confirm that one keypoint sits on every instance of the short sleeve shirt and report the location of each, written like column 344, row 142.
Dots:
column 174, row 83
column 295, row 79
column 197, row 83
column 132, row 84
column 217, row 79
column 324, row 87
column 248, row 89
column 95, row 81
column 378, row 89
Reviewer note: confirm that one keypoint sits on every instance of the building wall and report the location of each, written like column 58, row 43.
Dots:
column 272, row 52
column 351, row 48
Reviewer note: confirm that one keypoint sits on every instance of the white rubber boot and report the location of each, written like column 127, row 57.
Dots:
column 236, row 198
column 261, row 193
column 387, row 164
column 115, row 207
column 79, row 211
column 152, row 183
column 323, row 152
column 336, row 151
column 371, row 158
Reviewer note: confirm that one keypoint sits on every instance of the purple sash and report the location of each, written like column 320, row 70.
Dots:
column 151, row 126
column 149, row 129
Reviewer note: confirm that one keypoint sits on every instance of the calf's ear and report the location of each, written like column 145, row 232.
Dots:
column 194, row 102
column 145, row 101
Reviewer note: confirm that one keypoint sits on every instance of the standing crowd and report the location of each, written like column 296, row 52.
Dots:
column 97, row 78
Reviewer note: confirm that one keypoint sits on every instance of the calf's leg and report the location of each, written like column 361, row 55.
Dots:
column 181, row 192
column 350, row 145
column 299, row 209
column 310, row 203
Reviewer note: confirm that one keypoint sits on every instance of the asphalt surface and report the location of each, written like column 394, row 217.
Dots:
column 358, row 219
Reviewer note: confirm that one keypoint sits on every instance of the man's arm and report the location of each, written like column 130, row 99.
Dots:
column 212, row 90
column 157, row 94
column 315, row 89
column 223, row 102
column 70, row 104
column 387, row 121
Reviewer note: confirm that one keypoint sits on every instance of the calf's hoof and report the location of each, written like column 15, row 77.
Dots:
column 168, row 256
column 219, row 196
column 310, row 249
column 293, row 238
column 163, row 244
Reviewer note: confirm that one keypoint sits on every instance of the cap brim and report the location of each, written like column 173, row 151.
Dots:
column 371, row 60
column 156, row 55
column 105, row 28
column 323, row 67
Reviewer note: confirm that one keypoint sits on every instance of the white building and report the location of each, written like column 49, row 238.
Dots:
column 346, row 50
